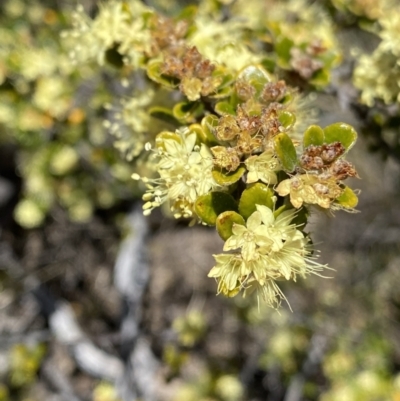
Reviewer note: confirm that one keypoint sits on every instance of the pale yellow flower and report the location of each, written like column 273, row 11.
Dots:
column 117, row 23
column 185, row 171
column 270, row 249
column 262, row 168
column 311, row 189
column 269, row 291
column 229, row 270
column 248, row 237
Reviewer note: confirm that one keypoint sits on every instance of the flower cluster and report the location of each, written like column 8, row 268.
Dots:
column 243, row 170
column 185, row 173
column 271, row 249
column 378, row 75
column 196, row 106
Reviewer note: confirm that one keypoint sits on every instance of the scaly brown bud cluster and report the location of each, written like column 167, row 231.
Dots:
column 166, row 34
column 193, row 71
column 305, row 63
column 274, row 91
column 325, row 160
column 250, row 131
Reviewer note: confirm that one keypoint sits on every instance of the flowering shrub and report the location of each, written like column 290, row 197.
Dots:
column 212, row 110
column 238, row 150
column 195, row 105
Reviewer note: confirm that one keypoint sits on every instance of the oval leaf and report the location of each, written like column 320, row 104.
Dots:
column 321, row 78
column 187, row 111
column 287, row 119
column 256, row 194
column 286, row 151
column 225, row 223
column 314, row 135
column 341, row 132
column 208, row 123
column 162, row 136
column 348, row 199
column 209, row 206
column 223, row 108
column 228, row 178
column 283, row 46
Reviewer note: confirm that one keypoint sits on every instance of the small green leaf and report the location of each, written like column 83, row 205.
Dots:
column 208, row 123
column 269, row 64
column 314, row 135
column 187, row 112
column 209, row 206
column 287, row 119
column 256, row 194
column 341, row 132
column 320, row 78
column 348, row 198
column 164, row 114
column 225, row 223
column 188, row 13
column 162, row 136
column 223, row 108
column 225, row 178
column 286, row 151
column 221, row 92
column 197, row 128
column 282, row 49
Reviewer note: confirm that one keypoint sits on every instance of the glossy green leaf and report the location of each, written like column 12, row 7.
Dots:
column 209, row 206
column 341, row 132
column 225, row 223
column 282, row 49
column 198, row 129
column 188, row 13
column 286, row 151
column 187, row 112
column 348, row 198
column 321, row 78
column 314, row 135
column 287, row 119
column 162, row 136
column 221, row 92
column 269, row 64
column 256, row 194
column 208, row 123
column 223, row 108
column 225, row 178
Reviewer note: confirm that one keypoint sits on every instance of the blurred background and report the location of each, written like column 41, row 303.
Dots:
column 99, row 303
